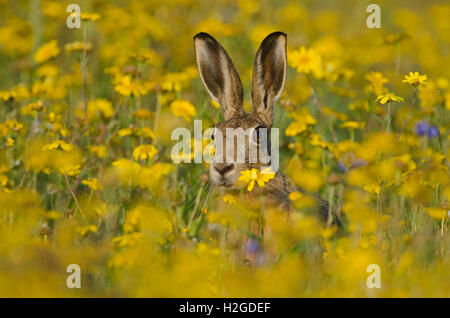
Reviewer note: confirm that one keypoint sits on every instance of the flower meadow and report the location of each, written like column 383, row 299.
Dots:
column 86, row 175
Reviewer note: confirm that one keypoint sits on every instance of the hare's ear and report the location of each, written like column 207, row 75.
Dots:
column 269, row 74
column 219, row 75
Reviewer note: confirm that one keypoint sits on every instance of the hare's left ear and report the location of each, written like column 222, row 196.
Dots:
column 269, row 74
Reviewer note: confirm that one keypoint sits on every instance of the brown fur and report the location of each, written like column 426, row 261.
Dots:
column 224, row 85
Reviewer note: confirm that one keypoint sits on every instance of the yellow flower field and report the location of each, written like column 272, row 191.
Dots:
column 87, row 177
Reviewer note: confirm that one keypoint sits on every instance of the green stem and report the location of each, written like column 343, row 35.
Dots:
column 71, row 192
column 83, row 73
column 388, row 119
column 413, row 101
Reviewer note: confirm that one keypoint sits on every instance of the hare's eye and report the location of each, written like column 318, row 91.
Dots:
column 259, row 133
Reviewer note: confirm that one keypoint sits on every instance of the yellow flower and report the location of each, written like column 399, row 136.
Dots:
column 127, row 240
column 394, row 38
column 20, row 92
column 142, row 114
column 99, row 105
column 373, row 187
column 52, row 214
column 78, row 46
column 90, row 16
column 125, row 132
column 183, row 108
column 144, row 152
column 309, row 179
column 83, row 230
column 148, row 56
column 354, row 125
column 125, row 86
column 303, row 120
column 436, row 213
column 250, row 177
column 9, row 142
column 5, row 95
column 58, row 145
column 48, row 70
column 317, row 140
column 4, row 181
column 230, row 199
column 306, row 61
column 388, row 97
column 32, row 107
column 46, row 52
column 215, row 104
column 150, row 177
column 328, row 111
column 98, row 150
column 70, row 170
column 447, row 100
column 215, row 26
column 11, row 125
column 145, row 132
column 295, row 128
column 294, row 196
column 125, row 164
column 415, row 79
column 175, row 81
column 377, row 80
column 92, row 183
column 429, row 95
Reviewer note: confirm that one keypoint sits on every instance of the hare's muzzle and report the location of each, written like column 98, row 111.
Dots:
column 223, row 169
column 223, row 174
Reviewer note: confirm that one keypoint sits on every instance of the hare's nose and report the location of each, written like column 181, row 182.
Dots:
column 223, row 169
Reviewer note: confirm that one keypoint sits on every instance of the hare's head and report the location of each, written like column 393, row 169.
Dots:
column 241, row 133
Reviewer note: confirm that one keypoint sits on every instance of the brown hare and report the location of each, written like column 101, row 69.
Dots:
column 224, row 85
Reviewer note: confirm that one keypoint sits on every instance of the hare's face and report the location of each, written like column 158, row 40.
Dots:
column 234, row 141
column 241, row 136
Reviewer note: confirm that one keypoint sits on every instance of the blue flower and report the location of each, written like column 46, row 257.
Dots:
column 341, row 166
column 354, row 163
column 252, row 247
column 421, row 128
column 433, row 131
column 424, row 128
column 358, row 163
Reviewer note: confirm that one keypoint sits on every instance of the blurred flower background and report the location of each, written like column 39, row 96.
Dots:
column 86, row 175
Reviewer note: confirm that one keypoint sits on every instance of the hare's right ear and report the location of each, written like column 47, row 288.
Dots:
column 219, row 75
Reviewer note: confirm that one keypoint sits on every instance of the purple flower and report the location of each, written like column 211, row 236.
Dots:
column 421, row 128
column 433, row 131
column 252, row 247
column 424, row 128
column 358, row 163
column 354, row 162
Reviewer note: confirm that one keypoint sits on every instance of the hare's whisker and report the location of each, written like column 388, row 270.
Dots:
column 193, row 188
column 208, row 195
